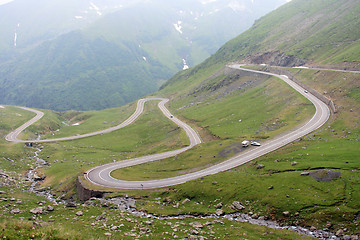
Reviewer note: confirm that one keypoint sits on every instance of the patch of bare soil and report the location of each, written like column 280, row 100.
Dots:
column 325, row 175
column 231, row 150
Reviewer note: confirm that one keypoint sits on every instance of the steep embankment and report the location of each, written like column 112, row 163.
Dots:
column 301, row 32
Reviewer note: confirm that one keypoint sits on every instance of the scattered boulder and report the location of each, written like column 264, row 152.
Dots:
column 79, row 213
column 113, row 228
column 99, row 218
column 38, row 210
column 145, row 230
column 219, row 205
column 39, row 178
column 70, row 204
column 286, row 214
column 185, row 201
column 339, row 232
column 294, row 163
column 196, row 225
column 260, row 166
column 237, row 206
column 305, row 173
column 219, row 212
column 214, row 183
column 107, row 234
column 167, row 199
column 15, row 211
column 49, row 208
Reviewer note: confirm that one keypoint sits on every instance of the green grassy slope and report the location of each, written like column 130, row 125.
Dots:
column 96, row 220
column 277, row 186
column 214, row 101
column 318, row 32
column 226, row 110
column 66, row 160
column 74, row 72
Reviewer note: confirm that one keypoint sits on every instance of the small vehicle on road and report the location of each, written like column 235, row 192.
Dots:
column 245, row 143
column 306, row 91
column 255, row 143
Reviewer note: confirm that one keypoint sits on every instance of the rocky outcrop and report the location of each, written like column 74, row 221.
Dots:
column 275, row 58
column 326, row 100
column 84, row 193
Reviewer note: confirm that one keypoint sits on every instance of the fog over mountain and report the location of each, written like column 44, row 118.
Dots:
column 153, row 38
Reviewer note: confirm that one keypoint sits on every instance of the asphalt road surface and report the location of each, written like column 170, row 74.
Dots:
column 13, row 136
column 101, row 175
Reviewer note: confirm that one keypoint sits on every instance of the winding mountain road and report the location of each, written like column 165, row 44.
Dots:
column 101, row 175
column 13, row 136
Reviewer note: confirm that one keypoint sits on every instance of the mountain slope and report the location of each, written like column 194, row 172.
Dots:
column 25, row 24
column 219, row 103
column 76, row 73
column 302, row 31
column 113, row 59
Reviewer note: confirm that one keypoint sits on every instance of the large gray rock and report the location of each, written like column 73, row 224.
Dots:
column 286, row 214
column 219, row 212
column 15, row 211
column 38, row 210
column 50, row 208
column 237, row 206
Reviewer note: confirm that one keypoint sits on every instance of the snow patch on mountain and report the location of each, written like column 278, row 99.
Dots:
column 236, row 6
column 15, row 38
column 178, row 27
column 96, row 8
column 207, row 1
column 15, row 35
column 185, row 65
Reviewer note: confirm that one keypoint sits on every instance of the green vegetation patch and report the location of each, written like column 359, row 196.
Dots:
column 256, row 112
column 31, row 217
column 71, row 123
column 151, row 133
column 281, row 181
column 11, row 118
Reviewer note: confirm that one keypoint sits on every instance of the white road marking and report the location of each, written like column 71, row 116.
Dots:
column 101, row 175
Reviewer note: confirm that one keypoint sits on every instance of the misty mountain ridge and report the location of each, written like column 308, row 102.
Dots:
column 87, row 55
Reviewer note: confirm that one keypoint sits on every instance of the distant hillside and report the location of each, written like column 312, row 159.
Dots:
column 181, row 34
column 318, row 33
column 25, row 24
column 98, row 54
column 76, row 73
